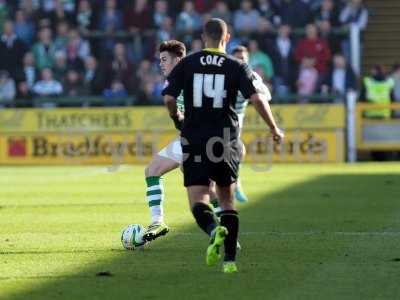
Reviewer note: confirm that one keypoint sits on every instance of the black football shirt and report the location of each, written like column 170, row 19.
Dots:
column 210, row 81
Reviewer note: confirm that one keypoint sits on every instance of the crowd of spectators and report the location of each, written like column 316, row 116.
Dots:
column 108, row 47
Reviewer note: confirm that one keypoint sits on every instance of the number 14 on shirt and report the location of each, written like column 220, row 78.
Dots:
column 211, row 86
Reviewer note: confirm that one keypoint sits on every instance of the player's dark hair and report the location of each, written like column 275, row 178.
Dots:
column 173, row 47
column 239, row 49
column 215, row 29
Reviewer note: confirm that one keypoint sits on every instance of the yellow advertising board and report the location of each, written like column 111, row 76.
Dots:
column 76, row 148
column 299, row 116
column 299, row 146
column 311, row 116
column 116, row 148
column 314, row 133
column 83, row 119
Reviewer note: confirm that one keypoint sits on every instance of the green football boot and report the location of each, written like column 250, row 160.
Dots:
column 155, row 230
column 229, row 267
column 216, row 241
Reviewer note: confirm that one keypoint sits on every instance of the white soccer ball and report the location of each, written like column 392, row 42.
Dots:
column 132, row 237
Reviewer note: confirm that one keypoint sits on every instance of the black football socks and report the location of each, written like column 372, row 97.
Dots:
column 205, row 217
column 230, row 220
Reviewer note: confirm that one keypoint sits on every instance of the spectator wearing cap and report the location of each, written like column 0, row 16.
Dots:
column 47, row 86
column 246, row 18
column 44, row 49
column 313, row 47
column 282, row 54
column 12, row 50
column 7, row 89
column 24, row 28
column 259, row 58
column 340, row 79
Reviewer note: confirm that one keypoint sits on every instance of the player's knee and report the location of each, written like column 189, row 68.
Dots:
column 153, row 170
column 213, row 193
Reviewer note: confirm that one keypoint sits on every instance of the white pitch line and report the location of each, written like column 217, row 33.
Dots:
column 350, row 233
column 100, row 170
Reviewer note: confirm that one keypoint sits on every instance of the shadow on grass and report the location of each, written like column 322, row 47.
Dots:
column 304, row 242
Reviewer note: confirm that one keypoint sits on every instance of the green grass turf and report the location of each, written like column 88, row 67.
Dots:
column 308, row 232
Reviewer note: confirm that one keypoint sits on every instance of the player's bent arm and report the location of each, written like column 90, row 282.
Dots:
column 174, row 113
column 264, row 110
column 261, row 88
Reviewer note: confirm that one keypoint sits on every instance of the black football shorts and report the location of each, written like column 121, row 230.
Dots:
column 219, row 163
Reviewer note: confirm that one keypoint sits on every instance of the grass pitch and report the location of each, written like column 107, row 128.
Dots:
column 308, row 232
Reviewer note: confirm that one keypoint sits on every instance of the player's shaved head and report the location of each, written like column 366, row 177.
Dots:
column 173, row 47
column 215, row 29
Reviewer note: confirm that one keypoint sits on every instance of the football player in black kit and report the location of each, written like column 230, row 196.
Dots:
column 210, row 81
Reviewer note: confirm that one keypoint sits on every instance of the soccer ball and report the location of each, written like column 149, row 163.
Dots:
column 132, row 237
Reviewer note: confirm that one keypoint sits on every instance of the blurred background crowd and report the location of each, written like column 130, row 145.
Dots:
column 108, row 48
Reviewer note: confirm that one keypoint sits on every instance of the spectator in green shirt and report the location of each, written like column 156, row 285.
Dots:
column 44, row 50
column 257, row 57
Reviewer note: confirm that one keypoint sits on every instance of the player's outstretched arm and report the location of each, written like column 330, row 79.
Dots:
column 264, row 110
column 261, row 88
column 174, row 113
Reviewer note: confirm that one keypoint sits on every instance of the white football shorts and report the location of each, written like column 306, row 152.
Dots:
column 173, row 151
